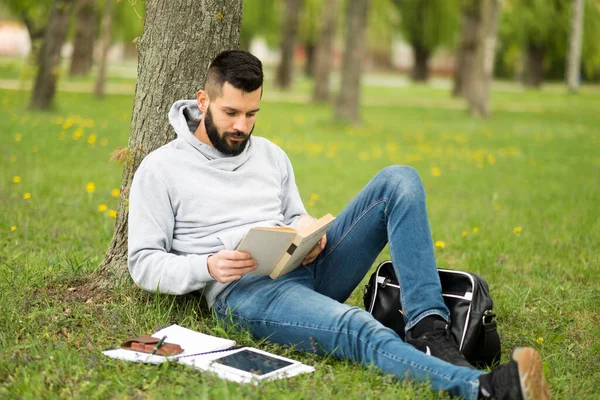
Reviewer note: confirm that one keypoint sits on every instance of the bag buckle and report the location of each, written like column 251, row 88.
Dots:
column 488, row 317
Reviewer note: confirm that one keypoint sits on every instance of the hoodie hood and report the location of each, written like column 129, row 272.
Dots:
column 184, row 117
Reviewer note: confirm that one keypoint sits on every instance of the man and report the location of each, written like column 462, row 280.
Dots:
column 193, row 200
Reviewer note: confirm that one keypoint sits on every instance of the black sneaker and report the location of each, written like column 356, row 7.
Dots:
column 521, row 378
column 440, row 343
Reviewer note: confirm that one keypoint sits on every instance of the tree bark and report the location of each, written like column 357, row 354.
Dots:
column 107, row 17
column 285, row 70
column 83, row 47
column 420, row 68
column 348, row 102
column 323, row 59
column 534, row 73
column 478, row 97
column 465, row 57
column 575, row 40
column 48, row 60
column 176, row 47
column 309, row 65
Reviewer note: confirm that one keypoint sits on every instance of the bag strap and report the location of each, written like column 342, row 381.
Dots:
column 490, row 351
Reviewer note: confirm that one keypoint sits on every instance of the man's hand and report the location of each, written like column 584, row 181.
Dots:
column 228, row 266
column 303, row 222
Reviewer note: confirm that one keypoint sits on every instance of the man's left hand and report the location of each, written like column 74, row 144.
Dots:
column 303, row 222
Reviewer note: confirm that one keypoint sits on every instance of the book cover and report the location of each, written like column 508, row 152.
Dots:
column 280, row 250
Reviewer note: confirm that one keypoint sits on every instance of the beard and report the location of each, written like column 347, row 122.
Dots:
column 221, row 141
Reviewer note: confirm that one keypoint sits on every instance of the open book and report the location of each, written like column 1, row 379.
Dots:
column 280, row 250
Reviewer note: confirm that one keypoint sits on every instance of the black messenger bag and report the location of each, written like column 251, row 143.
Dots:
column 472, row 321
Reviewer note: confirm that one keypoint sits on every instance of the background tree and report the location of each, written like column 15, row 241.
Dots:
column 308, row 30
column 175, row 50
column 85, row 35
column 382, row 31
column 348, row 101
column 465, row 53
column 478, row 95
column 575, row 40
column 106, row 40
column 539, row 28
column 34, row 14
column 289, row 33
column 44, row 88
column 427, row 24
column 261, row 18
column 324, row 50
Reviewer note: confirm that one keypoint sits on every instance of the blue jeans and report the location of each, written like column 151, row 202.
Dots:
column 306, row 309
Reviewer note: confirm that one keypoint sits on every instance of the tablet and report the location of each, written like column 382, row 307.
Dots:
column 253, row 363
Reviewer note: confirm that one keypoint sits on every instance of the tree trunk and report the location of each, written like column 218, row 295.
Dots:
column 349, row 97
column 283, row 79
column 176, row 47
column 420, row 68
column 323, row 59
column 44, row 88
column 478, row 96
column 309, row 65
column 107, row 18
column 83, row 47
column 575, row 40
column 465, row 57
column 534, row 74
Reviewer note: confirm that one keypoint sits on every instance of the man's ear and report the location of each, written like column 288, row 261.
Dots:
column 202, row 100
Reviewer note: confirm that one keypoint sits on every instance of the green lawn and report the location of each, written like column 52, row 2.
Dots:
column 514, row 198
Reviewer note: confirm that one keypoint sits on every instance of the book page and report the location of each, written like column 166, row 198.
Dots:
column 266, row 246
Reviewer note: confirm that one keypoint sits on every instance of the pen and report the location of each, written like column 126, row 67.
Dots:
column 160, row 343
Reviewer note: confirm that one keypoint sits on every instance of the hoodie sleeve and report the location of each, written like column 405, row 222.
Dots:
column 291, row 203
column 151, row 224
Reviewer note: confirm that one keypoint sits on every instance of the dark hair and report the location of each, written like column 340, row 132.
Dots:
column 241, row 69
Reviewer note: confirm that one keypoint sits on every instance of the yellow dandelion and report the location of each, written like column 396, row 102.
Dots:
column 77, row 134
column 435, row 171
column 363, row 156
column 115, row 192
column 104, row 142
column 92, row 138
column 540, row 340
column 27, row 196
column 35, row 149
column 517, row 229
column 102, row 207
column 90, row 187
column 491, row 159
column 220, row 15
column 13, row 158
column 440, row 244
column 464, row 234
column 13, row 228
column 16, row 179
column 475, row 229
column 18, row 137
column 112, row 213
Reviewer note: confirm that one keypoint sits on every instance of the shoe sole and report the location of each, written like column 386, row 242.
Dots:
column 531, row 374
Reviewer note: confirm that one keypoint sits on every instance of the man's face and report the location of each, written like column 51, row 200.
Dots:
column 229, row 119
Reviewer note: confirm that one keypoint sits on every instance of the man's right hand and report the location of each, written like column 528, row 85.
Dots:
column 230, row 265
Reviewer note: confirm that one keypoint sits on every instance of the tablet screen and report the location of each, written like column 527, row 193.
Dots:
column 252, row 362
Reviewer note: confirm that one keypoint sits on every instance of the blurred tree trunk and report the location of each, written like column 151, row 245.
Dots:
column 465, row 57
column 105, row 35
column 575, row 40
column 167, row 72
column 48, row 60
column 478, row 96
column 285, row 70
column 534, row 65
column 309, row 65
column 324, row 50
column 348, row 101
column 83, row 47
column 420, row 71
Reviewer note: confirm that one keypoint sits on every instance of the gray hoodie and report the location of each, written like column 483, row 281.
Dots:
column 189, row 200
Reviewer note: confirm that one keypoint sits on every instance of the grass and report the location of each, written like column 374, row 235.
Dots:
column 514, row 198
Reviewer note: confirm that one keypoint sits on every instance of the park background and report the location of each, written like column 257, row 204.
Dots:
column 512, row 176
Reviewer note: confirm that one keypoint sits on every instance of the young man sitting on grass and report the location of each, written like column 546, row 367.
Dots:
column 193, row 200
